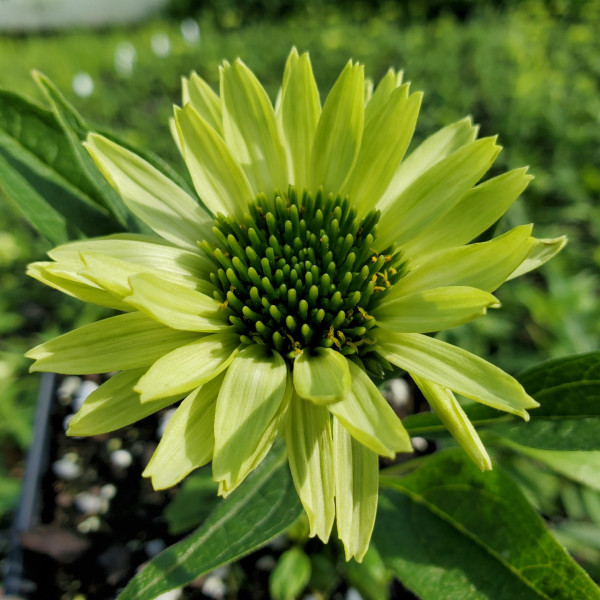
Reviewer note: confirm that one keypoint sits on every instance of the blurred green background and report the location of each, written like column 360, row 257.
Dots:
column 527, row 70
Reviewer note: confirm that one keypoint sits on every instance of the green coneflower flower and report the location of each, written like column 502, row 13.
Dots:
column 324, row 261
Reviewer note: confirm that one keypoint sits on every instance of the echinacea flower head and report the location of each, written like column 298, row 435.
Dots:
column 319, row 258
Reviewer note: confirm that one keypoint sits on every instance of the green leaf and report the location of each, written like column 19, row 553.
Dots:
column 370, row 577
column 264, row 506
column 568, row 390
column 193, row 503
column 40, row 175
column 580, row 466
column 449, row 531
column 76, row 130
column 290, row 576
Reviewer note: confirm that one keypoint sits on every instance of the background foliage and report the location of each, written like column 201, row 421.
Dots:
column 528, row 70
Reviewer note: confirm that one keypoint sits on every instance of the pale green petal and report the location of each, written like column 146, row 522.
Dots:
column 384, row 143
column 188, row 440
column 387, row 84
column 249, row 401
column 69, row 282
column 310, row 454
column 542, row 252
column 112, row 274
column 299, row 115
column 129, row 341
column 250, row 129
column 475, row 212
column 188, row 366
column 486, row 265
column 339, row 132
column 175, row 134
column 217, row 177
column 321, row 376
column 435, row 192
column 140, row 250
column 175, row 305
column 365, row 413
column 149, row 194
column 450, row 412
column 356, row 471
column 434, row 149
column 368, row 90
column 114, row 405
column 434, row 309
column 204, row 100
column 455, row 368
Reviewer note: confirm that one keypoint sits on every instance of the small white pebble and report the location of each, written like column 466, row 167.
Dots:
column 398, row 393
column 161, row 45
column 67, row 420
column 214, row 587
column 108, row 491
column 90, row 524
column 353, row 594
column 265, row 563
column 190, row 31
column 68, row 387
column 154, row 547
column 279, row 543
column 125, row 56
column 90, row 504
column 121, row 458
column 164, row 421
column 85, row 389
column 67, row 467
column 420, row 444
column 83, row 84
column 171, row 595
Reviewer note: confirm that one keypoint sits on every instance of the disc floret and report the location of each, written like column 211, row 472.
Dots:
column 301, row 272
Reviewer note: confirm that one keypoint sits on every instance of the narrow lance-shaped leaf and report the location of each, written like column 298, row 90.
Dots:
column 260, row 509
column 471, row 534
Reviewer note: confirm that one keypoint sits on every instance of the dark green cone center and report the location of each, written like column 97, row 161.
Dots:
column 302, row 272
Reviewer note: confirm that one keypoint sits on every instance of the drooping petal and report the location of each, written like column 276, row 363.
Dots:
column 384, row 142
column 139, row 250
column 149, row 195
column 310, row 454
column 112, row 274
column 217, row 177
column 435, row 192
column 61, row 278
column 387, row 84
column 434, row 149
column 174, row 305
column 457, row 369
column 113, row 405
column 356, row 471
column 249, row 401
column 298, row 116
column 188, row 440
column 128, row 341
column 204, row 100
column 188, row 366
column 477, row 210
column 486, row 265
column 450, row 412
column 365, row 413
column 434, row 309
column 541, row 253
column 250, row 129
column 321, row 376
column 339, row 132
